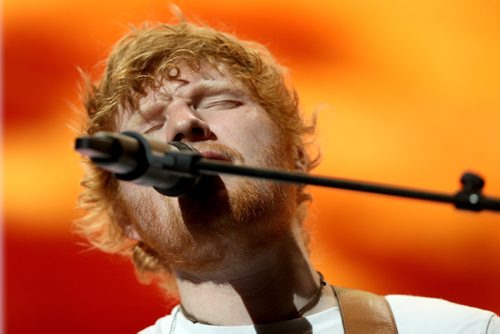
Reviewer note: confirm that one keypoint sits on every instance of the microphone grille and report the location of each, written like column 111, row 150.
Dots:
column 181, row 146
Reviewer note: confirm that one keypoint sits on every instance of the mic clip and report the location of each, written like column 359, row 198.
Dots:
column 181, row 164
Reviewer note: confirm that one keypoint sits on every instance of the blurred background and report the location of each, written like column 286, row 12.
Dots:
column 409, row 93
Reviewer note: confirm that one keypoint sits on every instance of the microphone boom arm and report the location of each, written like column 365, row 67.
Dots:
column 469, row 197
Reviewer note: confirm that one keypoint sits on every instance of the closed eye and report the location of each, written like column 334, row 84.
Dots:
column 153, row 127
column 220, row 105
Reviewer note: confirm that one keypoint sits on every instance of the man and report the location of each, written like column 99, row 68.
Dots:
column 234, row 247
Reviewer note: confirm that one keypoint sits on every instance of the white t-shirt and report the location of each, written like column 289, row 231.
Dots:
column 413, row 315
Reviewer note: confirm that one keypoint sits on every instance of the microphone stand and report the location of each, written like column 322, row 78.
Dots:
column 469, row 197
column 189, row 164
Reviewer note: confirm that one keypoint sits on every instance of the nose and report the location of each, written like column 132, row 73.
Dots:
column 184, row 123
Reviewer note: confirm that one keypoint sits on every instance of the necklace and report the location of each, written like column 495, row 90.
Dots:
column 297, row 314
column 314, row 299
column 174, row 322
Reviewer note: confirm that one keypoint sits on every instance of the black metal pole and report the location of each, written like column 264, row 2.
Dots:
column 468, row 198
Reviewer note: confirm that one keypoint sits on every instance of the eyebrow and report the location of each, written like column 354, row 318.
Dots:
column 216, row 87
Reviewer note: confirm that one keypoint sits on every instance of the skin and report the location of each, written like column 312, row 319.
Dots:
column 234, row 244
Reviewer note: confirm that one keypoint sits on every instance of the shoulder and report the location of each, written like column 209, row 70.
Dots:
column 430, row 315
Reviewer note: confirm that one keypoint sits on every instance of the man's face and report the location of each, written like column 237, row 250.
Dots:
column 216, row 115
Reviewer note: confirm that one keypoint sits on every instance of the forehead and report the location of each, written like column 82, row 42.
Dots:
column 184, row 80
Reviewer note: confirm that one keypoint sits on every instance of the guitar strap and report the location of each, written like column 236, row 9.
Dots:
column 364, row 312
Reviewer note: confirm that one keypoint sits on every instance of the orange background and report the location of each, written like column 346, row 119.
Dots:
column 409, row 93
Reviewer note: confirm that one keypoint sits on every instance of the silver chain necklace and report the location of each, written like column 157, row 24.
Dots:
column 174, row 321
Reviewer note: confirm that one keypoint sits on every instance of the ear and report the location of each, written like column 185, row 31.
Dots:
column 120, row 216
column 132, row 233
column 300, row 162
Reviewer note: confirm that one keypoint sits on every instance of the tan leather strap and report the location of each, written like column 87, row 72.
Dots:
column 364, row 312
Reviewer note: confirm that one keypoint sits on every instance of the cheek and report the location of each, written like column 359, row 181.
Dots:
column 250, row 132
column 142, row 201
column 263, row 138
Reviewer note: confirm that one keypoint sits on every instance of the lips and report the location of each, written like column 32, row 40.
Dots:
column 215, row 156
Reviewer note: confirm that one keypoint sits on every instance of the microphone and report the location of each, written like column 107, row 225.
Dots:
column 168, row 167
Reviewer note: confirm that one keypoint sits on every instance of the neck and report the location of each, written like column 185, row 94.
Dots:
column 267, row 287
